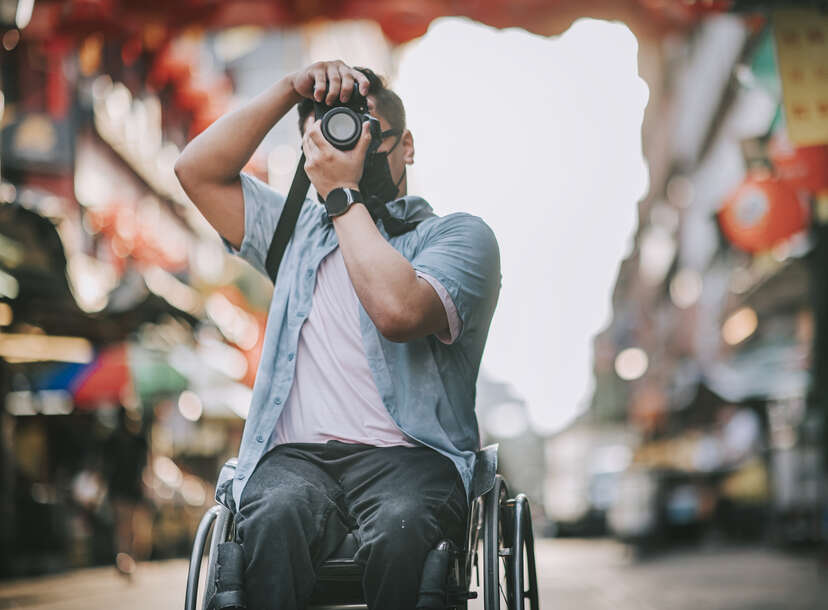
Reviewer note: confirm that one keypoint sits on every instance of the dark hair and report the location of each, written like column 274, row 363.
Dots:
column 388, row 103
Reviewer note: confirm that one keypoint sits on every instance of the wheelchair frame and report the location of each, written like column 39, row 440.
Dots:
column 499, row 528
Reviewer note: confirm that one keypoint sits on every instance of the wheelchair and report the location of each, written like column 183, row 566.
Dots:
column 499, row 531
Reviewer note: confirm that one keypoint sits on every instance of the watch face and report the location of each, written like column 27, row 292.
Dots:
column 339, row 200
column 336, row 202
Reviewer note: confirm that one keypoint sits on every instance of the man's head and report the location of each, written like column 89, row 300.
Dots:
column 388, row 108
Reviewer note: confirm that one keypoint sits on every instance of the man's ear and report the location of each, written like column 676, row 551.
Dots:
column 407, row 143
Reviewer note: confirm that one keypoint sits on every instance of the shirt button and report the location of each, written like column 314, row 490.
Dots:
column 240, row 477
column 309, row 273
column 290, row 356
column 300, row 314
column 278, row 400
column 260, row 439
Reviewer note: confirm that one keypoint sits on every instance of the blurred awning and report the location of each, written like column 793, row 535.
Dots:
column 401, row 20
column 766, row 372
column 33, row 282
column 110, row 374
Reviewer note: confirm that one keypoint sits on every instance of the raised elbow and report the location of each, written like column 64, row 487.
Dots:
column 395, row 323
column 182, row 169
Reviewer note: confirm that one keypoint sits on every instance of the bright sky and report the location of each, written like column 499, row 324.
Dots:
column 541, row 137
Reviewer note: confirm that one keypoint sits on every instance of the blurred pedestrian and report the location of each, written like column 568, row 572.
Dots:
column 126, row 457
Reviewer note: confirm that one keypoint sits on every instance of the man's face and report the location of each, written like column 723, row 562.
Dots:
column 403, row 153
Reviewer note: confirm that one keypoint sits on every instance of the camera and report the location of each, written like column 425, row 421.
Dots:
column 342, row 123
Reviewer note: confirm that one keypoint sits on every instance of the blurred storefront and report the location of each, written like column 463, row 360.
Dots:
column 716, row 353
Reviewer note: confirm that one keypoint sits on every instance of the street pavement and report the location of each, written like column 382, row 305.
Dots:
column 577, row 574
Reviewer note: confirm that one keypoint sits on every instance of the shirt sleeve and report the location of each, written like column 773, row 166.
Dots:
column 448, row 305
column 461, row 253
column 262, row 208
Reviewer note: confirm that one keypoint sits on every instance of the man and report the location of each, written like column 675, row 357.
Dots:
column 363, row 408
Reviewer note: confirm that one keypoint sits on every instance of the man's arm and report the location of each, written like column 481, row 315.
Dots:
column 402, row 305
column 209, row 166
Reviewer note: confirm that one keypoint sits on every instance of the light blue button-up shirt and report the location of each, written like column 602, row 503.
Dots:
column 428, row 387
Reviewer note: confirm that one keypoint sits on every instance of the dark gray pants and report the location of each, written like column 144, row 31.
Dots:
column 303, row 498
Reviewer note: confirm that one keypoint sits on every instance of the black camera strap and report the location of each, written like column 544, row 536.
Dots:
column 287, row 220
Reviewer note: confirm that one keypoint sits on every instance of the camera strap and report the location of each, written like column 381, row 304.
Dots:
column 287, row 220
column 290, row 215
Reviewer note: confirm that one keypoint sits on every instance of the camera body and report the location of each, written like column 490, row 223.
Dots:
column 342, row 122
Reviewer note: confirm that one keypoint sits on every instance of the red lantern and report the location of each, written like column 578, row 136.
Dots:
column 805, row 168
column 176, row 62
column 762, row 212
column 686, row 11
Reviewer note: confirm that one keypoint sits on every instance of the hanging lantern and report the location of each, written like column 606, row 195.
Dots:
column 762, row 212
column 175, row 62
column 804, row 167
column 686, row 11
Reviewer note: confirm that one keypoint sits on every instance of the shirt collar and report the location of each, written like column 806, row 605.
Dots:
column 410, row 208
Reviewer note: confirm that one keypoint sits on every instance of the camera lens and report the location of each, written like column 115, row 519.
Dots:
column 341, row 126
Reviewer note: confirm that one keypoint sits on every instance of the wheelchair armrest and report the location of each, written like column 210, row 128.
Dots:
column 485, row 469
column 224, row 484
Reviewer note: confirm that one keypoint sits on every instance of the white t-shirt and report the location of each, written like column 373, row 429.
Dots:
column 334, row 396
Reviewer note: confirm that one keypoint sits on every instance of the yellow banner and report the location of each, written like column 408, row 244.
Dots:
column 802, row 54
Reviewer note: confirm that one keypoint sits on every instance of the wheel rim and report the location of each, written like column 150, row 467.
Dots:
column 497, row 559
column 524, row 578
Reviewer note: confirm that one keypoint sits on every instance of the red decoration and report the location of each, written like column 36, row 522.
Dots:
column 401, row 20
column 104, row 379
column 762, row 212
column 688, row 11
column 175, row 62
column 805, row 168
column 140, row 237
column 58, row 94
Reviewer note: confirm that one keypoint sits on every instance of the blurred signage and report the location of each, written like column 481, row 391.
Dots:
column 802, row 50
column 805, row 168
column 35, row 141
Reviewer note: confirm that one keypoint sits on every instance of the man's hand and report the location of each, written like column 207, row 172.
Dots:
column 335, row 77
column 328, row 167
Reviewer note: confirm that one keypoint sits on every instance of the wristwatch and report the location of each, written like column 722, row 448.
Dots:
column 339, row 200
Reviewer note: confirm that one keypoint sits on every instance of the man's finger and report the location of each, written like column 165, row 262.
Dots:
column 334, row 83
column 365, row 139
column 315, row 135
column 362, row 81
column 320, row 78
column 310, row 148
column 347, row 88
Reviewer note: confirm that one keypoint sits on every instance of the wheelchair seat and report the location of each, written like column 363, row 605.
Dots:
column 340, row 565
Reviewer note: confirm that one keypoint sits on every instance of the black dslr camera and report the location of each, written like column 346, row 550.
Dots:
column 342, row 122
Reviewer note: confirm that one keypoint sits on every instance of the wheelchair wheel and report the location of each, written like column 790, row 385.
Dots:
column 524, row 577
column 498, row 572
column 509, row 576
